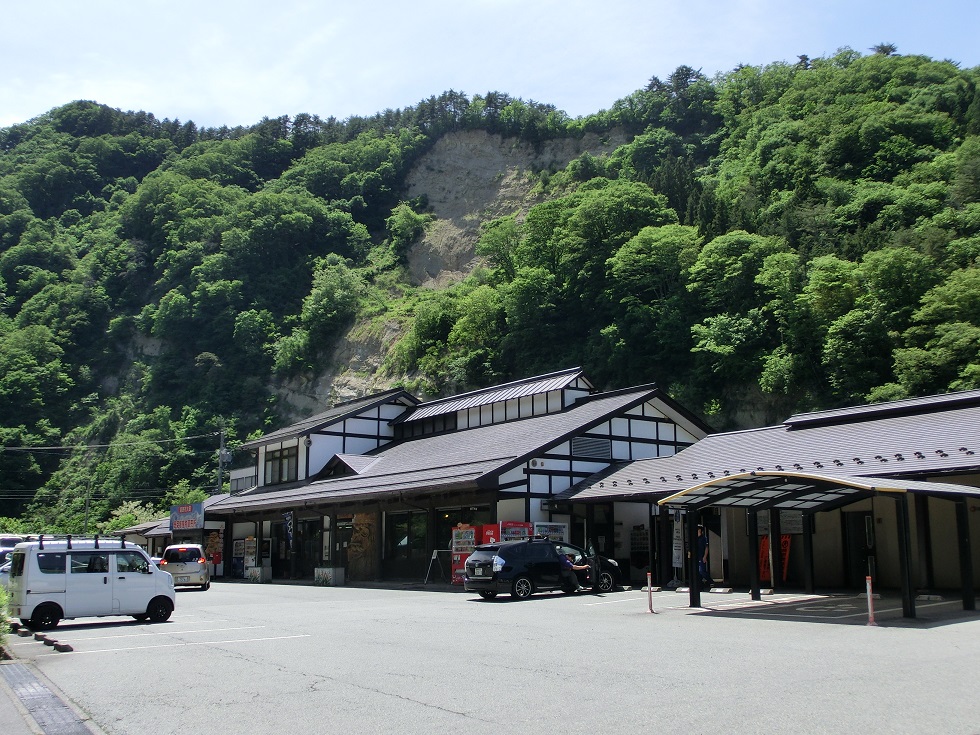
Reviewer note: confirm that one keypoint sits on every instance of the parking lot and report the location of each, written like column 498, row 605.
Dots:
column 319, row 659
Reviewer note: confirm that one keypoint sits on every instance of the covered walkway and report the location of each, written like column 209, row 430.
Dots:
column 815, row 493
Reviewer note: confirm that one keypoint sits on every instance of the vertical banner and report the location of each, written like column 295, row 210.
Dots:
column 287, row 516
column 765, row 573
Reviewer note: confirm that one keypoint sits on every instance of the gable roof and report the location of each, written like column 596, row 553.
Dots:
column 466, row 459
column 926, row 437
column 331, row 416
column 508, row 391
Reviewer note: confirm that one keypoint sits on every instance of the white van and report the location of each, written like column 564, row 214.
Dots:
column 55, row 579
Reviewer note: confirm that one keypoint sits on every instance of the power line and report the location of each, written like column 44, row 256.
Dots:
column 104, row 446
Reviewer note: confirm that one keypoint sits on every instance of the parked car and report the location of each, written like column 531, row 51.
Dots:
column 524, row 567
column 5, row 576
column 187, row 564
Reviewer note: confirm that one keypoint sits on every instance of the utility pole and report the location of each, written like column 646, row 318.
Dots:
column 224, row 456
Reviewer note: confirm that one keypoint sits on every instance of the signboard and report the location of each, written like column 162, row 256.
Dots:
column 790, row 521
column 186, row 517
column 678, row 547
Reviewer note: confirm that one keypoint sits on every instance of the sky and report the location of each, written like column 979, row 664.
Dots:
column 218, row 62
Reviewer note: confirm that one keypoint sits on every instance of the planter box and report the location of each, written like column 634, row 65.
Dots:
column 329, row 576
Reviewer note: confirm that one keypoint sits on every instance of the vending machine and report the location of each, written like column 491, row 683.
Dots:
column 514, row 530
column 464, row 541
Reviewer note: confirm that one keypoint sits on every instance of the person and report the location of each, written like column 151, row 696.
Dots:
column 568, row 569
column 706, row 580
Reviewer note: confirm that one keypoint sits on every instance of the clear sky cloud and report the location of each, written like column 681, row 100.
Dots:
column 233, row 63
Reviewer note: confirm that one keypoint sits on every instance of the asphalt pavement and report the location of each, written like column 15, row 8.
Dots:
column 422, row 658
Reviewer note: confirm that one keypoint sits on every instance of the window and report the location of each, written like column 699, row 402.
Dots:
column 130, row 561
column 280, row 465
column 89, row 562
column 50, row 563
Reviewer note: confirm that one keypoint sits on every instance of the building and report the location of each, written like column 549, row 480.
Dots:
column 888, row 492
column 372, row 489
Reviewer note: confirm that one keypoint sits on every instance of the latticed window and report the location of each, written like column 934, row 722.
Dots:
column 281, row 465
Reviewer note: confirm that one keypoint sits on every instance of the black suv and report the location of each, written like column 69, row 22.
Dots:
column 531, row 565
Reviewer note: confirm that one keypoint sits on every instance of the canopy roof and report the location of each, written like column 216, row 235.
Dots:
column 802, row 491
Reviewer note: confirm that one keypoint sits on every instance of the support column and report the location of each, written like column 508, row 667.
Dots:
column 775, row 549
column 752, row 517
column 966, row 555
column 693, row 578
column 904, row 554
column 652, row 544
column 808, row 519
column 665, row 549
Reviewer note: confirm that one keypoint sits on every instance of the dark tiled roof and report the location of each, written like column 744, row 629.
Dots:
column 467, row 458
column 943, row 439
column 330, row 416
column 509, row 391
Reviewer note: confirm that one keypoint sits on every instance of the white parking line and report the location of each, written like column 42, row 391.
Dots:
column 177, row 645
column 155, row 632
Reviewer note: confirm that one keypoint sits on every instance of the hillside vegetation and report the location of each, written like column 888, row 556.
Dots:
column 776, row 239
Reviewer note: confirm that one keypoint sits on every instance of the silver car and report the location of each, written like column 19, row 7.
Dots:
column 187, row 565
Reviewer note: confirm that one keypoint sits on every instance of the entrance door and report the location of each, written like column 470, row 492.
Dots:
column 309, row 547
column 859, row 537
column 89, row 585
column 345, row 533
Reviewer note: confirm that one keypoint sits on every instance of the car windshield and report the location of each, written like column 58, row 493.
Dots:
column 182, row 555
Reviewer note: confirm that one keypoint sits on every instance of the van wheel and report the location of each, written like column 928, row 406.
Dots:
column 159, row 609
column 488, row 594
column 45, row 617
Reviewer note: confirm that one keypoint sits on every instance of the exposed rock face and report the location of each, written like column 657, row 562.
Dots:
column 472, row 177
column 468, row 178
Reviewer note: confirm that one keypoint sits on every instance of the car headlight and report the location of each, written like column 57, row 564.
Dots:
column 498, row 563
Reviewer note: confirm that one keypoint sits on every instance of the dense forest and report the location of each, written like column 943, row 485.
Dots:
column 782, row 238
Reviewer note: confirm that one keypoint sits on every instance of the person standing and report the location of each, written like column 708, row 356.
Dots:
column 706, row 580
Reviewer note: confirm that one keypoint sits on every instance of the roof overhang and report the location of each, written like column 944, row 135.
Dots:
column 803, row 491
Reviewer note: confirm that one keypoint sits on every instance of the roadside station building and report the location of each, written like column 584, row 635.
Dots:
column 373, row 488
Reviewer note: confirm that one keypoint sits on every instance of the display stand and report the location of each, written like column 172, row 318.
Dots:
column 437, row 561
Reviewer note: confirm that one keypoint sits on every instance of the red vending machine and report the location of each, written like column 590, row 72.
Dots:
column 464, row 541
column 490, row 533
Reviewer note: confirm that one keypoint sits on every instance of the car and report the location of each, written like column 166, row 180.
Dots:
column 524, row 567
column 5, row 576
column 187, row 564
column 62, row 578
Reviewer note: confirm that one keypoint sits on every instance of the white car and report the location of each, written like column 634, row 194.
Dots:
column 5, row 576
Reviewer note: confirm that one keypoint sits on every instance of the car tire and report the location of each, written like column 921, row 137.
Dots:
column 159, row 609
column 607, row 582
column 141, row 618
column 488, row 594
column 522, row 588
column 45, row 617
column 206, row 586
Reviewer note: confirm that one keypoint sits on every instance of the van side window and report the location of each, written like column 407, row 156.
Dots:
column 88, row 562
column 130, row 561
column 51, row 563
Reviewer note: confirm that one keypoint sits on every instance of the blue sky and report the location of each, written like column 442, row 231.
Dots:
column 231, row 63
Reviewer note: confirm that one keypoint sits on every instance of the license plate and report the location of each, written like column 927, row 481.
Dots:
column 183, row 579
column 478, row 572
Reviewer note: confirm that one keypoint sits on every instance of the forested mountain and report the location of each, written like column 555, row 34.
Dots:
column 779, row 238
